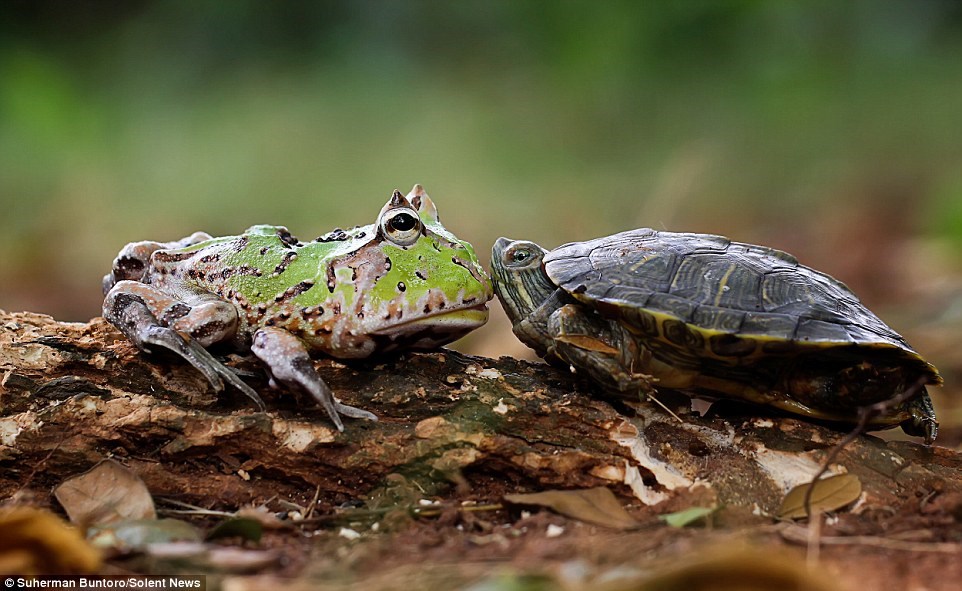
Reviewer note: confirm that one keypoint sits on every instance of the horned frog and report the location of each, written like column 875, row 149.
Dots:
column 404, row 282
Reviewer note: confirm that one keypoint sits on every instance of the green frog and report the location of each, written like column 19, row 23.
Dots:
column 404, row 282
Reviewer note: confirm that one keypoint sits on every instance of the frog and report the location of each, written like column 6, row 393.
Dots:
column 402, row 283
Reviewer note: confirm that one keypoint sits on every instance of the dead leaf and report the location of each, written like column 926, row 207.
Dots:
column 687, row 516
column 265, row 517
column 736, row 567
column 195, row 556
column 597, row 506
column 245, row 528
column 35, row 541
column 106, row 493
column 828, row 494
column 137, row 534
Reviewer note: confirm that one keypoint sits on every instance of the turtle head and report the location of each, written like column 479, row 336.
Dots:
column 520, row 280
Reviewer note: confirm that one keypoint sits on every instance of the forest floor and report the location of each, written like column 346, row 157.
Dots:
column 480, row 474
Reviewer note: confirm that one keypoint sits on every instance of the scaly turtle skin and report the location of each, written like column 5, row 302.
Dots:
column 711, row 317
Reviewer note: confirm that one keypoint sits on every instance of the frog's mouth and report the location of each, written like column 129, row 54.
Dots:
column 453, row 320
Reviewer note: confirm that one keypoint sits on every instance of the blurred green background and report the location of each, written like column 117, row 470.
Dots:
column 829, row 129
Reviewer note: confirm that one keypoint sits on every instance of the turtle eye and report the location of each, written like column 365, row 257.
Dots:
column 401, row 226
column 521, row 255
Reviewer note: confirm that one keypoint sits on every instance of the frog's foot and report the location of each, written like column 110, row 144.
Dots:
column 131, row 261
column 216, row 372
column 134, row 309
column 289, row 363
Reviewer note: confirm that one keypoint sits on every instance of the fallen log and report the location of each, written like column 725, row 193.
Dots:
column 452, row 428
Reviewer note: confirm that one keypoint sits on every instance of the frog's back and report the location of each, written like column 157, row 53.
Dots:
column 211, row 263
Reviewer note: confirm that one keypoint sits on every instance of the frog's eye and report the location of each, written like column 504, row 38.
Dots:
column 401, row 226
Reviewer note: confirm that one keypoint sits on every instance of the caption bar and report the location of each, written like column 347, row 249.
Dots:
column 154, row 582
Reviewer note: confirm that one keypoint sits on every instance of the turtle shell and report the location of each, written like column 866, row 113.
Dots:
column 699, row 296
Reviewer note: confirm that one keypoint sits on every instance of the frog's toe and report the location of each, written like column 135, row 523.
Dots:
column 212, row 369
column 354, row 412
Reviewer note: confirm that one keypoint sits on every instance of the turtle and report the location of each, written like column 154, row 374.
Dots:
column 715, row 319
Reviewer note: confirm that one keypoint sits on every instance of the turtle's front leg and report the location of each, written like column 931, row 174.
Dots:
column 149, row 318
column 289, row 362
column 586, row 341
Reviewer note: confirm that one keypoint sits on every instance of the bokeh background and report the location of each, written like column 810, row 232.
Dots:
column 830, row 129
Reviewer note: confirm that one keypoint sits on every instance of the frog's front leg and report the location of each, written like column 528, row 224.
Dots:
column 289, row 362
column 150, row 317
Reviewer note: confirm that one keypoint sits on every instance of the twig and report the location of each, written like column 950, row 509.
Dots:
column 40, row 464
column 800, row 535
column 651, row 397
column 203, row 512
column 414, row 511
column 313, row 505
column 188, row 509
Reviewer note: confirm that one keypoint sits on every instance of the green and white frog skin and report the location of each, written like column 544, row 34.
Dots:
column 404, row 282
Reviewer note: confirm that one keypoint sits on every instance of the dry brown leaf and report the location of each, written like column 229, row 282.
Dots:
column 107, row 493
column 597, row 506
column 828, row 494
column 35, row 541
column 735, row 567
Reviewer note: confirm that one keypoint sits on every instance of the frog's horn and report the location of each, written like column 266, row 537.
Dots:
column 421, row 202
column 398, row 200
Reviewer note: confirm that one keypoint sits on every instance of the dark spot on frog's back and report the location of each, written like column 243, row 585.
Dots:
column 312, row 312
column 287, row 239
column 240, row 300
column 169, row 256
column 294, row 291
column 241, row 243
column 387, row 263
column 331, row 278
column 282, row 266
column 335, row 235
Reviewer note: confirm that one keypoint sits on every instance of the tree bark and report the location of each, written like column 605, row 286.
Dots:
column 451, row 425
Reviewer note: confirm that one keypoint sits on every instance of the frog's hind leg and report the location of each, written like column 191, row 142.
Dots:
column 131, row 262
column 149, row 317
column 289, row 362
